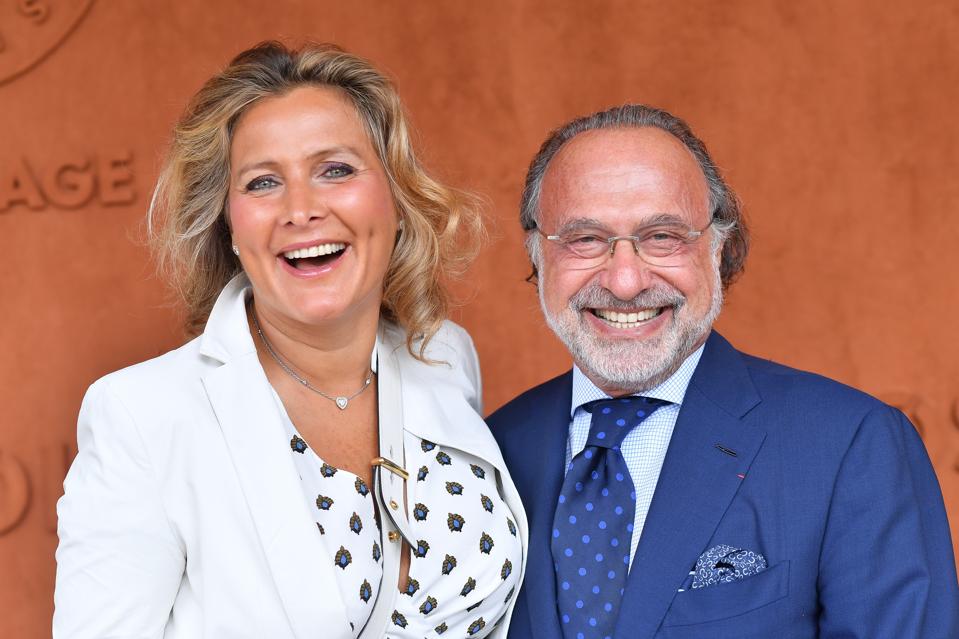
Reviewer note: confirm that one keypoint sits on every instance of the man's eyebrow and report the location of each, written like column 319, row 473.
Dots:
column 658, row 219
column 580, row 223
column 661, row 219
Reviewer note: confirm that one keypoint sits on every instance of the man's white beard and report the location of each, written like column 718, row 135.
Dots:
column 632, row 365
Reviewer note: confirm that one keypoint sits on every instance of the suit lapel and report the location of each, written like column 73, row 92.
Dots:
column 538, row 474
column 250, row 422
column 695, row 486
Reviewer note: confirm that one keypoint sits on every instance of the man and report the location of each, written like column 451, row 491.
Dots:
column 719, row 495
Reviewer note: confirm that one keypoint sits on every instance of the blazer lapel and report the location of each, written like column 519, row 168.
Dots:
column 539, row 476
column 250, row 422
column 696, row 484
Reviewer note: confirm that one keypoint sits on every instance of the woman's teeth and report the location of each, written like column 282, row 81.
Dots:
column 315, row 251
column 626, row 320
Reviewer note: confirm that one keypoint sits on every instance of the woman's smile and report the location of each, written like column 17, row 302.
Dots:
column 313, row 258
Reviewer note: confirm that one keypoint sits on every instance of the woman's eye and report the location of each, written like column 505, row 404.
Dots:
column 261, row 183
column 337, row 170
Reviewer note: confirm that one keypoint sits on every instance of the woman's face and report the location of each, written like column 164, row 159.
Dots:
column 310, row 209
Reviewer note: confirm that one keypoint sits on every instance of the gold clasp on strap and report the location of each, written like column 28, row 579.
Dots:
column 391, row 466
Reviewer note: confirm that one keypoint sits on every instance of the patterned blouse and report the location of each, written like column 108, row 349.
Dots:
column 465, row 566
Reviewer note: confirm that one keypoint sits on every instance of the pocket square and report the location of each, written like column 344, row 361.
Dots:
column 721, row 564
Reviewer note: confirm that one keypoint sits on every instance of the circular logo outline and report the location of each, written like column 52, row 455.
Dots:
column 43, row 53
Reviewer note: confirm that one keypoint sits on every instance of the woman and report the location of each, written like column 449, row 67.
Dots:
column 226, row 489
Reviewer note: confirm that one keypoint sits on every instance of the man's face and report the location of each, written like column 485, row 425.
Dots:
column 628, row 324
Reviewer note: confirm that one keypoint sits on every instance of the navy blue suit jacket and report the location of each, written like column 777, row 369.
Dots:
column 832, row 486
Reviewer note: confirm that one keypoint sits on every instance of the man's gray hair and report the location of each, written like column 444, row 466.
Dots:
column 728, row 224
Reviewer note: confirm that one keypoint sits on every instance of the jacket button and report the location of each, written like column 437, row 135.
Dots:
column 394, row 505
column 393, row 535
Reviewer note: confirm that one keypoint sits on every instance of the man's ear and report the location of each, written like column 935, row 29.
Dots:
column 532, row 249
column 533, row 277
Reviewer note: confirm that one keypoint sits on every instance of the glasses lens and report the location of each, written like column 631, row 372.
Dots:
column 585, row 245
column 664, row 242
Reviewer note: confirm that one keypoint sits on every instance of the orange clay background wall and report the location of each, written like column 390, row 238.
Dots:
column 833, row 119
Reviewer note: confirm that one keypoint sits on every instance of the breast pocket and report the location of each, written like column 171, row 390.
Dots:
column 722, row 601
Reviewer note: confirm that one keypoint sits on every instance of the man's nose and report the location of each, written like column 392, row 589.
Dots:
column 625, row 274
column 303, row 203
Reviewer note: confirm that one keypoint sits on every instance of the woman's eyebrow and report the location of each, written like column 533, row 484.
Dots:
column 312, row 157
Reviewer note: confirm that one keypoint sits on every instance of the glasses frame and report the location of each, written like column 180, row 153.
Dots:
column 692, row 235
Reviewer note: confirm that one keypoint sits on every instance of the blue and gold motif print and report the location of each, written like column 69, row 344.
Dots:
column 343, row 558
column 298, row 445
column 455, row 522
column 487, row 503
column 486, row 544
column 366, row 591
column 356, row 524
column 342, row 516
column 448, row 481
column 448, row 564
column 428, row 606
column 476, row 626
column 361, row 487
column 411, row 586
column 422, row 547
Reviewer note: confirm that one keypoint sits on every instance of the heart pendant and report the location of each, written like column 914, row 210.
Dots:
column 342, row 402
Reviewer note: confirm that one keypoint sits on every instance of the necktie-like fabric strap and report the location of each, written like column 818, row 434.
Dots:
column 593, row 525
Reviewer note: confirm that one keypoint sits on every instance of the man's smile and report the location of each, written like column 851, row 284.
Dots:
column 627, row 319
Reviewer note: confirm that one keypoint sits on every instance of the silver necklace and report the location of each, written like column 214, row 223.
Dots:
column 340, row 401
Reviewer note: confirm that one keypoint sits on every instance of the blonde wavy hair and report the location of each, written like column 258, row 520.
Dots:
column 187, row 223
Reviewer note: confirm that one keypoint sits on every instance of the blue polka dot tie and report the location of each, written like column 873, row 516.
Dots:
column 593, row 526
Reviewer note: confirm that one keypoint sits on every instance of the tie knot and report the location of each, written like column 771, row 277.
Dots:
column 613, row 419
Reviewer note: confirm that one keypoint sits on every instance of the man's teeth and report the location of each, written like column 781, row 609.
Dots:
column 627, row 320
column 315, row 251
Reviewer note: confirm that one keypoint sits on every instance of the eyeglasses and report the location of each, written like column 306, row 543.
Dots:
column 657, row 245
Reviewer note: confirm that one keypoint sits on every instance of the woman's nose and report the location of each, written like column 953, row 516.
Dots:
column 303, row 203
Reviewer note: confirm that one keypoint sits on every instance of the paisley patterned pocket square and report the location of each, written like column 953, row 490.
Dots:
column 721, row 564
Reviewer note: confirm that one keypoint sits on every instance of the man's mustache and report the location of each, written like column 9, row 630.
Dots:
column 595, row 296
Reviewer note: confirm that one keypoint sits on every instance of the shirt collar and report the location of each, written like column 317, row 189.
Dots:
column 673, row 389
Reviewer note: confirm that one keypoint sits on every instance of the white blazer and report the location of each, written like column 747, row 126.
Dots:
column 183, row 515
